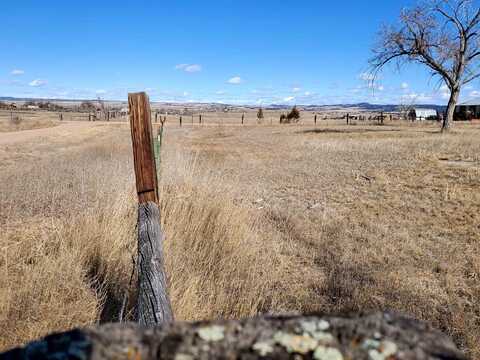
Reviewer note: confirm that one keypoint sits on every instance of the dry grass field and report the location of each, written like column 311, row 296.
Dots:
column 18, row 121
column 258, row 219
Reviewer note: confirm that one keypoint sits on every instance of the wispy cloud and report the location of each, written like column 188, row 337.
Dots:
column 17, row 72
column 289, row 98
column 190, row 68
column 445, row 92
column 404, row 85
column 235, row 80
column 366, row 76
column 296, row 89
column 100, row 92
column 38, row 83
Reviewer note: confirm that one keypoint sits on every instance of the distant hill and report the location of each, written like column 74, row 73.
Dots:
column 357, row 107
column 213, row 106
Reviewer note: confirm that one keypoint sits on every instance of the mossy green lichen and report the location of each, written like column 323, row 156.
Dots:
column 327, row 353
column 300, row 344
column 211, row 333
column 312, row 326
column 263, row 348
column 183, row 357
column 383, row 351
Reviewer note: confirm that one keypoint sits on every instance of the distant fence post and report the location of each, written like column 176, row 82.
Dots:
column 180, row 121
column 243, row 118
column 315, row 119
column 199, row 119
column 60, row 116
column 348, row 118
column 153, row 305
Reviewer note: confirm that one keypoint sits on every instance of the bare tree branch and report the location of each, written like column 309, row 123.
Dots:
column 443, row 35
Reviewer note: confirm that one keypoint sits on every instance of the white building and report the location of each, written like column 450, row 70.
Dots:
column 423, row 114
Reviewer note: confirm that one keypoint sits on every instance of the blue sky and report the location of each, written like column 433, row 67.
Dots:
column 252, row 52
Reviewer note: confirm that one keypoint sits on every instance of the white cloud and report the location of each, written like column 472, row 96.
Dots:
column 404, row 85
column 296, row 89
column 289, row 98
column 380, row 88
column 235, row 80
column 445, row 92
column 100, row 92
column 307, row 93
column 193, row 68
column 38, row 82
column 474, row 93
column 17, row 72
column 186, row 93
column 190, row 68
column 366, row 76
column 220, row 92
column 417, row 98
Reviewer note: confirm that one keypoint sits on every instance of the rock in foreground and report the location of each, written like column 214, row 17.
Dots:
column 376, row 337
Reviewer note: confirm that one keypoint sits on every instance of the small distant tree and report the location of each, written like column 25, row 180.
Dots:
column 293, row 115
column 87, row 106
column 260, row 115
column 283, row 119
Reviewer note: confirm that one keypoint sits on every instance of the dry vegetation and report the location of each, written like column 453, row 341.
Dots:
column 17, row 121
column 257, row 219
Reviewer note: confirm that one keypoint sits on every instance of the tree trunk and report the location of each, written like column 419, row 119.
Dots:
column 447, row 121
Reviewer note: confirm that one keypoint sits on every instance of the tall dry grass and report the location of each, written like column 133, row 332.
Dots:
column 69, row 237
column 267, row 219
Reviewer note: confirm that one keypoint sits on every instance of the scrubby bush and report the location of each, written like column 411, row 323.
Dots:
column 260, row 115
column 15, row 119
column 292, row 117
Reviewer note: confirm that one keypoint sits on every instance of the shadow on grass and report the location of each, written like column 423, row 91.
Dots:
column 345, row 131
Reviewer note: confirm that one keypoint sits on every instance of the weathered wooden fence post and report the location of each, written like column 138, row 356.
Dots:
column 348, row 119
column 153, row 305
column 243, row 118
column 315, row 119
column 180, row 121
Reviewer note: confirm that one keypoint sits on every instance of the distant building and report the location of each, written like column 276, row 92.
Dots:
column 469, row 110
column 33, row 107
column 423, row 114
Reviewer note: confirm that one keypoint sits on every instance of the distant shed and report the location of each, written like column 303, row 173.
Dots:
column 423, row 114
column 469, row 110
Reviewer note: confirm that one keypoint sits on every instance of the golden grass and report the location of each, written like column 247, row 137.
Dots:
column 257, row 219
column 11, row 121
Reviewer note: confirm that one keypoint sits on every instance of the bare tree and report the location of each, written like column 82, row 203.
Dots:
column 407, row 104
column 440, row 34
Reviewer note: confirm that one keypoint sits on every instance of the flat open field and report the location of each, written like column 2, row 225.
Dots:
column 331, row 218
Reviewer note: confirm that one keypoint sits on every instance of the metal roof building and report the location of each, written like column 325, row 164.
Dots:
column 468, row 110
